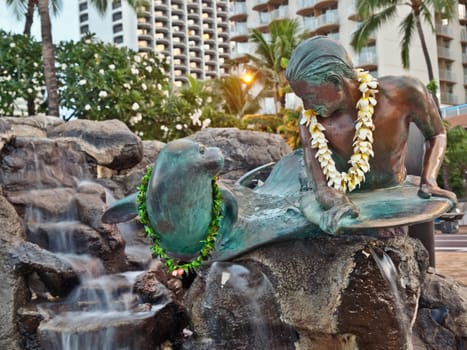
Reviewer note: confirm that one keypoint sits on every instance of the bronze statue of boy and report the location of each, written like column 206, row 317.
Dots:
column 320, row 72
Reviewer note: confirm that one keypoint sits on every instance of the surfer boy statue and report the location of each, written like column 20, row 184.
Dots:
column 354, row 128
column 354, row 132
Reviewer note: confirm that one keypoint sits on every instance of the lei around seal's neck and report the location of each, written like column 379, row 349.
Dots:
column 362, row 140
column 177, row 268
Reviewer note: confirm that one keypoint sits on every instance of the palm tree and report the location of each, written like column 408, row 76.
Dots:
column 50, row 76
column 375, row 13
column 236, row 95
column 271, row 56
column 27, row 7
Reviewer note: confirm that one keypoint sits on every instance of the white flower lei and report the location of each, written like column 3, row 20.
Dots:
column 362, row 140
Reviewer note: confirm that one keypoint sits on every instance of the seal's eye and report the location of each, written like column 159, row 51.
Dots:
column 202, row 149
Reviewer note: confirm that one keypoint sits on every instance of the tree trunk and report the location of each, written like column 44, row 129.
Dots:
column 49, row 59
column 29, row 17
column 426, row 54
column 27, row 31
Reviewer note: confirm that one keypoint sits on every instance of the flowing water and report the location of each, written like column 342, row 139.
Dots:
column 391, row 276
column 102, row 311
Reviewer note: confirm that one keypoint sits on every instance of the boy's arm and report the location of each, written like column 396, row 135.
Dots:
column 430, row 124
column 334, row 203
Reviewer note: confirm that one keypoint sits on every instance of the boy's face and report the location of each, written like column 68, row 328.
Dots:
column 323, row 99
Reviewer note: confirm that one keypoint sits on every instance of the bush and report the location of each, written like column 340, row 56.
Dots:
column 22, row 86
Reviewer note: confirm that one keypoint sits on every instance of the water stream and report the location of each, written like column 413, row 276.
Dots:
column 392, row 278
column 102, row 312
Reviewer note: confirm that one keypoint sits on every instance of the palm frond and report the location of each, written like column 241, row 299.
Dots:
column 360, row 37
column 407, row 28
column 425, row 11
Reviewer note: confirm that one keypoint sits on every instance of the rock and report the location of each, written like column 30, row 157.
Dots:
column 43, row 205
column 243, row 150
column 110, row 142
column 150, row 289
column 442, row 315
column 31, row 163
column 6, row 133
column 13, row 292
column 35, row 126
column 56, row 274
column 127, row 180
column 29, row 318
column 144, row 330
column 325, row 290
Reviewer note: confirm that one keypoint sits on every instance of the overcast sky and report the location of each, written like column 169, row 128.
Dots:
column 65, row 25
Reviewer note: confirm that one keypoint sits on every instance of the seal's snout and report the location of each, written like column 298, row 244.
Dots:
column 214, row 158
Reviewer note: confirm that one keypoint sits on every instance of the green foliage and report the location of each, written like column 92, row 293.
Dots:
column 21, row 76
column 455, row 160
column 375, row 13
column 237, row 99
column 289, row 127
column 432, row 86
column 211, row 235
column 262, row 122
column 101, row 81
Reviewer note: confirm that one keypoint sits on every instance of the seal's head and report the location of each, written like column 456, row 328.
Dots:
column 179, row 197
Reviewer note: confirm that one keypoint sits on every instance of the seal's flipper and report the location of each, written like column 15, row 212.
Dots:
column 122, row 210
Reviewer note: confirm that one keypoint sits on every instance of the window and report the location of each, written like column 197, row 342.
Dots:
column 83, row 6
column 118, row 28
column 84, row 17
column 84, row 29
column 116, row 4
column 118, row 39
column 117, row 15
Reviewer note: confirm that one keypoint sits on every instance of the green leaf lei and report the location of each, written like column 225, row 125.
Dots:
column 209, row 242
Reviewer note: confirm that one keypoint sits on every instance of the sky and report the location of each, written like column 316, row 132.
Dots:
column 65, row 25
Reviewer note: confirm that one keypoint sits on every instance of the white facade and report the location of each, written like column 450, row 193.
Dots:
column 336, row 18
column 191, row 35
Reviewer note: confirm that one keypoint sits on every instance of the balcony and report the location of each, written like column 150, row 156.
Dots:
column 260, row 5
column 325, row 3
column 446, row 76
column 239, row 32
column 238, row 12
column 367, row 58
column 223, row 35
column 444, row 30
column 464, row 35
column 240, row 50
column 463, row 18
column 310, row 23
column 280, row 13
column 278, row 2
column 223, row 25
column 445, row 53
column 333, row 36
column 264, row 21
column 448, row 98
column 327, row 21
column 306, row 7
column 144, row 35
column 142, row 24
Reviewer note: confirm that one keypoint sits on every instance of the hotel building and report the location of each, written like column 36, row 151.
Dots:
column 337, row 18
column 191, row 35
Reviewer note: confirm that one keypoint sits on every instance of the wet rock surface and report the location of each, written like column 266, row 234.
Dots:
column 310, row 294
